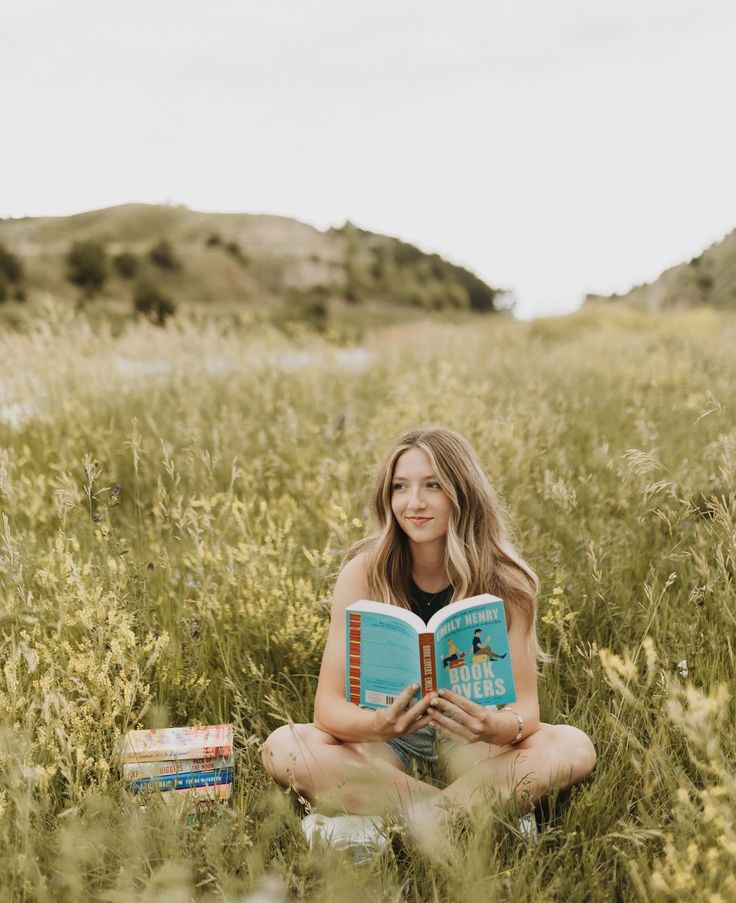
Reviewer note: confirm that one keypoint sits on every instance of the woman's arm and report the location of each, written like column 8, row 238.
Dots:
column 332, row 712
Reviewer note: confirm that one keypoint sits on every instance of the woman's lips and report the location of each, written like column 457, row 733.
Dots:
column 418, row 521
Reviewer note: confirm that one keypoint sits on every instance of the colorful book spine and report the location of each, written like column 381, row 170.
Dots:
column 133, row 771
column 201, row 742
column 426, row 662
column 353, row 687
column 215, row 792
column 184, row 781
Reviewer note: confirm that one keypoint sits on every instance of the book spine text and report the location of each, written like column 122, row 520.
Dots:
column 426, row 662
column 134, row 770
column 174, row 752
column 184, row 781
column 213, row 792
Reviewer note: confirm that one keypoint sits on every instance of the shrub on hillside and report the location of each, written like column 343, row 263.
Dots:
column 86, row 263
column 705, row 282
column 163, row 255
column 215, row 240
column 11, row 267
column 127, row 265
column 406, row 254
column 481, row 296
column 307, row 308
column 235, row 251
column 150, row 301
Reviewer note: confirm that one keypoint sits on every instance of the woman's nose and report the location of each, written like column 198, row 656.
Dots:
column 416, row 498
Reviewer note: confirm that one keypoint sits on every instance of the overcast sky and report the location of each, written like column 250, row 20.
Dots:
column 553, row 147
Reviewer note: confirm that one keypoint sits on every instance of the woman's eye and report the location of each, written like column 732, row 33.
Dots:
column 433, row 485
column 398, row 486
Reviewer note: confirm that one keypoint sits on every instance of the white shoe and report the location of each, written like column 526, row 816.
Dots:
column 361, row 835
column 528, row 827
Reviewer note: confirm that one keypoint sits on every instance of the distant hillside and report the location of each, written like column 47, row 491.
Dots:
column 221, row 258
column 707, row 279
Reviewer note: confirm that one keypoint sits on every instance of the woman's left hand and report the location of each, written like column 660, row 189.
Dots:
column 462, row 719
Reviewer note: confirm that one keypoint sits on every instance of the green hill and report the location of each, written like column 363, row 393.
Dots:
column 220, row 259
column 708, row 279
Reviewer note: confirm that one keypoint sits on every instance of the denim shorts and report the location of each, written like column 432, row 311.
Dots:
column 425, row 749
column 419, row 747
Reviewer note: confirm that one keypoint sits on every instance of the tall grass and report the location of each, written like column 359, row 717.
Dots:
column 176, row 504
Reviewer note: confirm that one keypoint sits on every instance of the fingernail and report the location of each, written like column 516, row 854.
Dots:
column 441, row 692
column 430, row 711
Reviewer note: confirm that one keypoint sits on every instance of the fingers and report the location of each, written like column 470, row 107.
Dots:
column 450, row 726
column 419, row 708
column 405, row 697
column 454, row 712
column 415, row 725
column 401, row 715
column 412, row 719
column 462, row 702
column 401, row 703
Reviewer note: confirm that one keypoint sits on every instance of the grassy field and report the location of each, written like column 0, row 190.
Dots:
column 175, row 506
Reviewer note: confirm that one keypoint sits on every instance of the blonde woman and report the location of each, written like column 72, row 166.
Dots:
column 440, row 537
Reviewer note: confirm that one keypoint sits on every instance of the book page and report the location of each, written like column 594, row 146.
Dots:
column 472, row 650
column 382, row 653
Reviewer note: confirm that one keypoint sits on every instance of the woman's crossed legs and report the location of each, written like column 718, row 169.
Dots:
column 369, row 778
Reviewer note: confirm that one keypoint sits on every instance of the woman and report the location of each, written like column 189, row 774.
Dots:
column 441, row 537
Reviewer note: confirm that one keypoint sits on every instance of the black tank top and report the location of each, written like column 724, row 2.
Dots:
column 427, row 604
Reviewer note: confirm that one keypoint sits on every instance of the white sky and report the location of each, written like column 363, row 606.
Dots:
column 553, row 147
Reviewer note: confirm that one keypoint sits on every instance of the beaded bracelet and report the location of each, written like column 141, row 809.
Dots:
column 521, row 726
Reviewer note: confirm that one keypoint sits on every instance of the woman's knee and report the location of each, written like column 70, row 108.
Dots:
column 285, row 749
column 280, row 746
column 575, row 750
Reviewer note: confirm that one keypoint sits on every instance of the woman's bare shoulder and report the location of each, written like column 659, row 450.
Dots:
column 352, row 581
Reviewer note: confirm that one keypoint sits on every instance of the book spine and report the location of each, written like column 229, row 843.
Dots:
column 354, row 658
column 214, row 792
column 135, row 770
column 184, row 781
column 165, row 753
column 426, row 662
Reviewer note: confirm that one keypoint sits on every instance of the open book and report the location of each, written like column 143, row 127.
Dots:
column 463, row 648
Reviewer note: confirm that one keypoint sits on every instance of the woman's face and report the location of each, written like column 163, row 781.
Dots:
column 418, row 502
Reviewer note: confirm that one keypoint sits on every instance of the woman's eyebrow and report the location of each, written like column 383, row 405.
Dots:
column 430, row 476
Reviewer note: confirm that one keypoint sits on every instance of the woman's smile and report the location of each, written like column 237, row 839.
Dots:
column 418, row 521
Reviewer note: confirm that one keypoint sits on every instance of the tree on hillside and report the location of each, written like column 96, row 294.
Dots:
column 150, row 301
column 11, row 275
column 86, row 263
column 11, row 266
column 126, row 264
column 482, row 297
column 163, row 255
column 236, row 252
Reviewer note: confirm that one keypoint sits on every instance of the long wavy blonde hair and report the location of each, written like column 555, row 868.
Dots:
column 479, row 557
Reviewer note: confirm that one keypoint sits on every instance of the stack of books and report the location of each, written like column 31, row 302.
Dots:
column 191, row 762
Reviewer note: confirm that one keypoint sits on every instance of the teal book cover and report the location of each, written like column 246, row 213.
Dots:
column 463, row 648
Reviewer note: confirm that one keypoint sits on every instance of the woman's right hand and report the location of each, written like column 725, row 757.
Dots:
column 403, row 716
